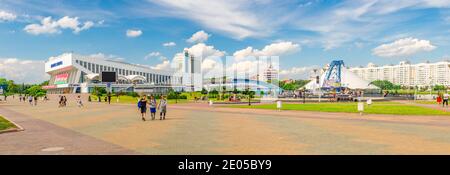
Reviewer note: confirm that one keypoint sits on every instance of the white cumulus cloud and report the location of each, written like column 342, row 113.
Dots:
column 297, row 72
column 152, row 54
column 403, row 47
column 23, row 71
column 275, row 49
column 50, row 26
column 133, row 33
column 169, row 44
column 106, row 57
column 204, row 51
column 199, row 37
column 165, row 65
column 6, row 16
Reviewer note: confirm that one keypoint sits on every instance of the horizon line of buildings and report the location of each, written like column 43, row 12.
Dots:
column 407, row 74
column 74, row 73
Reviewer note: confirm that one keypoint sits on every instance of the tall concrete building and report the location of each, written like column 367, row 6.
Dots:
column 270, row 74
column 407, row 74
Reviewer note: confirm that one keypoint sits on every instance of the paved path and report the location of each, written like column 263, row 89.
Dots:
column 199, row 129
column 41, row 137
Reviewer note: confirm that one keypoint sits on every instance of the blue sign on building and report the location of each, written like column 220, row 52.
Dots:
column 59, row 63
column 3, row 88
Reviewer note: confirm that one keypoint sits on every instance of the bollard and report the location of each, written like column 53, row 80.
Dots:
column 360, row 108
column 279, row 105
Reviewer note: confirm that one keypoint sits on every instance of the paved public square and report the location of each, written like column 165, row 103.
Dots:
column 196, row 128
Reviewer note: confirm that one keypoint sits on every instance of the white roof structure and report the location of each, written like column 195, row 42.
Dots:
column 93, row 76
column 120, row 77
column 348, row 80
column 135, row 77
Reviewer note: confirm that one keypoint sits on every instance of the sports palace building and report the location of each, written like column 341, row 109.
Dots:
column 72, row 73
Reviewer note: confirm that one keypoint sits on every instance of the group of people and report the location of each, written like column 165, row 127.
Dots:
column 153, row 105
column 62, row 101
column 32, row 100
column 443, row 99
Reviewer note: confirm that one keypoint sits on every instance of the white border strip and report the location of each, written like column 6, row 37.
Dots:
column 19, row 128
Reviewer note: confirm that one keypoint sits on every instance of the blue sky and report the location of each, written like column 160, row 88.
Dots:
column 302, row 33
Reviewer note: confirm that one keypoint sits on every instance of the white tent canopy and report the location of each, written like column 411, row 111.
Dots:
column 348, row 80
column 352, row 81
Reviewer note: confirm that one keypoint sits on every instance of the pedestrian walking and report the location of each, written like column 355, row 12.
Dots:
column 445, row 101
column 61, row 99
column 142, row 104
column 20, row 98
column 153, row 107
column 30, row 100
column 35, row 100
column 162, row 107
column 439, row 99
column 109, row 98
column 79, row 102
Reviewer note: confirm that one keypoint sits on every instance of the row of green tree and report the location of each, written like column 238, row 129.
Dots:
column 294, row 85
column 387, row 85
column 101, row 91
column 10, row 88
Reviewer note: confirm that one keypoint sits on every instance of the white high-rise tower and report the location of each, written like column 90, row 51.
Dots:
column 192, row 72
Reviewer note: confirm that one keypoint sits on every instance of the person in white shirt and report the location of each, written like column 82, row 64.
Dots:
column 162, row 106
column 30, row 100
column 79, row 102
column 445, row 99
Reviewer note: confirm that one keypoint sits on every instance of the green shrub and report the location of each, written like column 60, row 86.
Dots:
column 133, row 94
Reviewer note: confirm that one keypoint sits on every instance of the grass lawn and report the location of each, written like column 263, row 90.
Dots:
column 428, row 102
column 227, row 100
column 5, row 124
column 376, row 108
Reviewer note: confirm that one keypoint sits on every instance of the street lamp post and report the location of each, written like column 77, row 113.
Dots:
column 304, row 95
column 176, row 96
column 249, row 96
column 431, row 86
